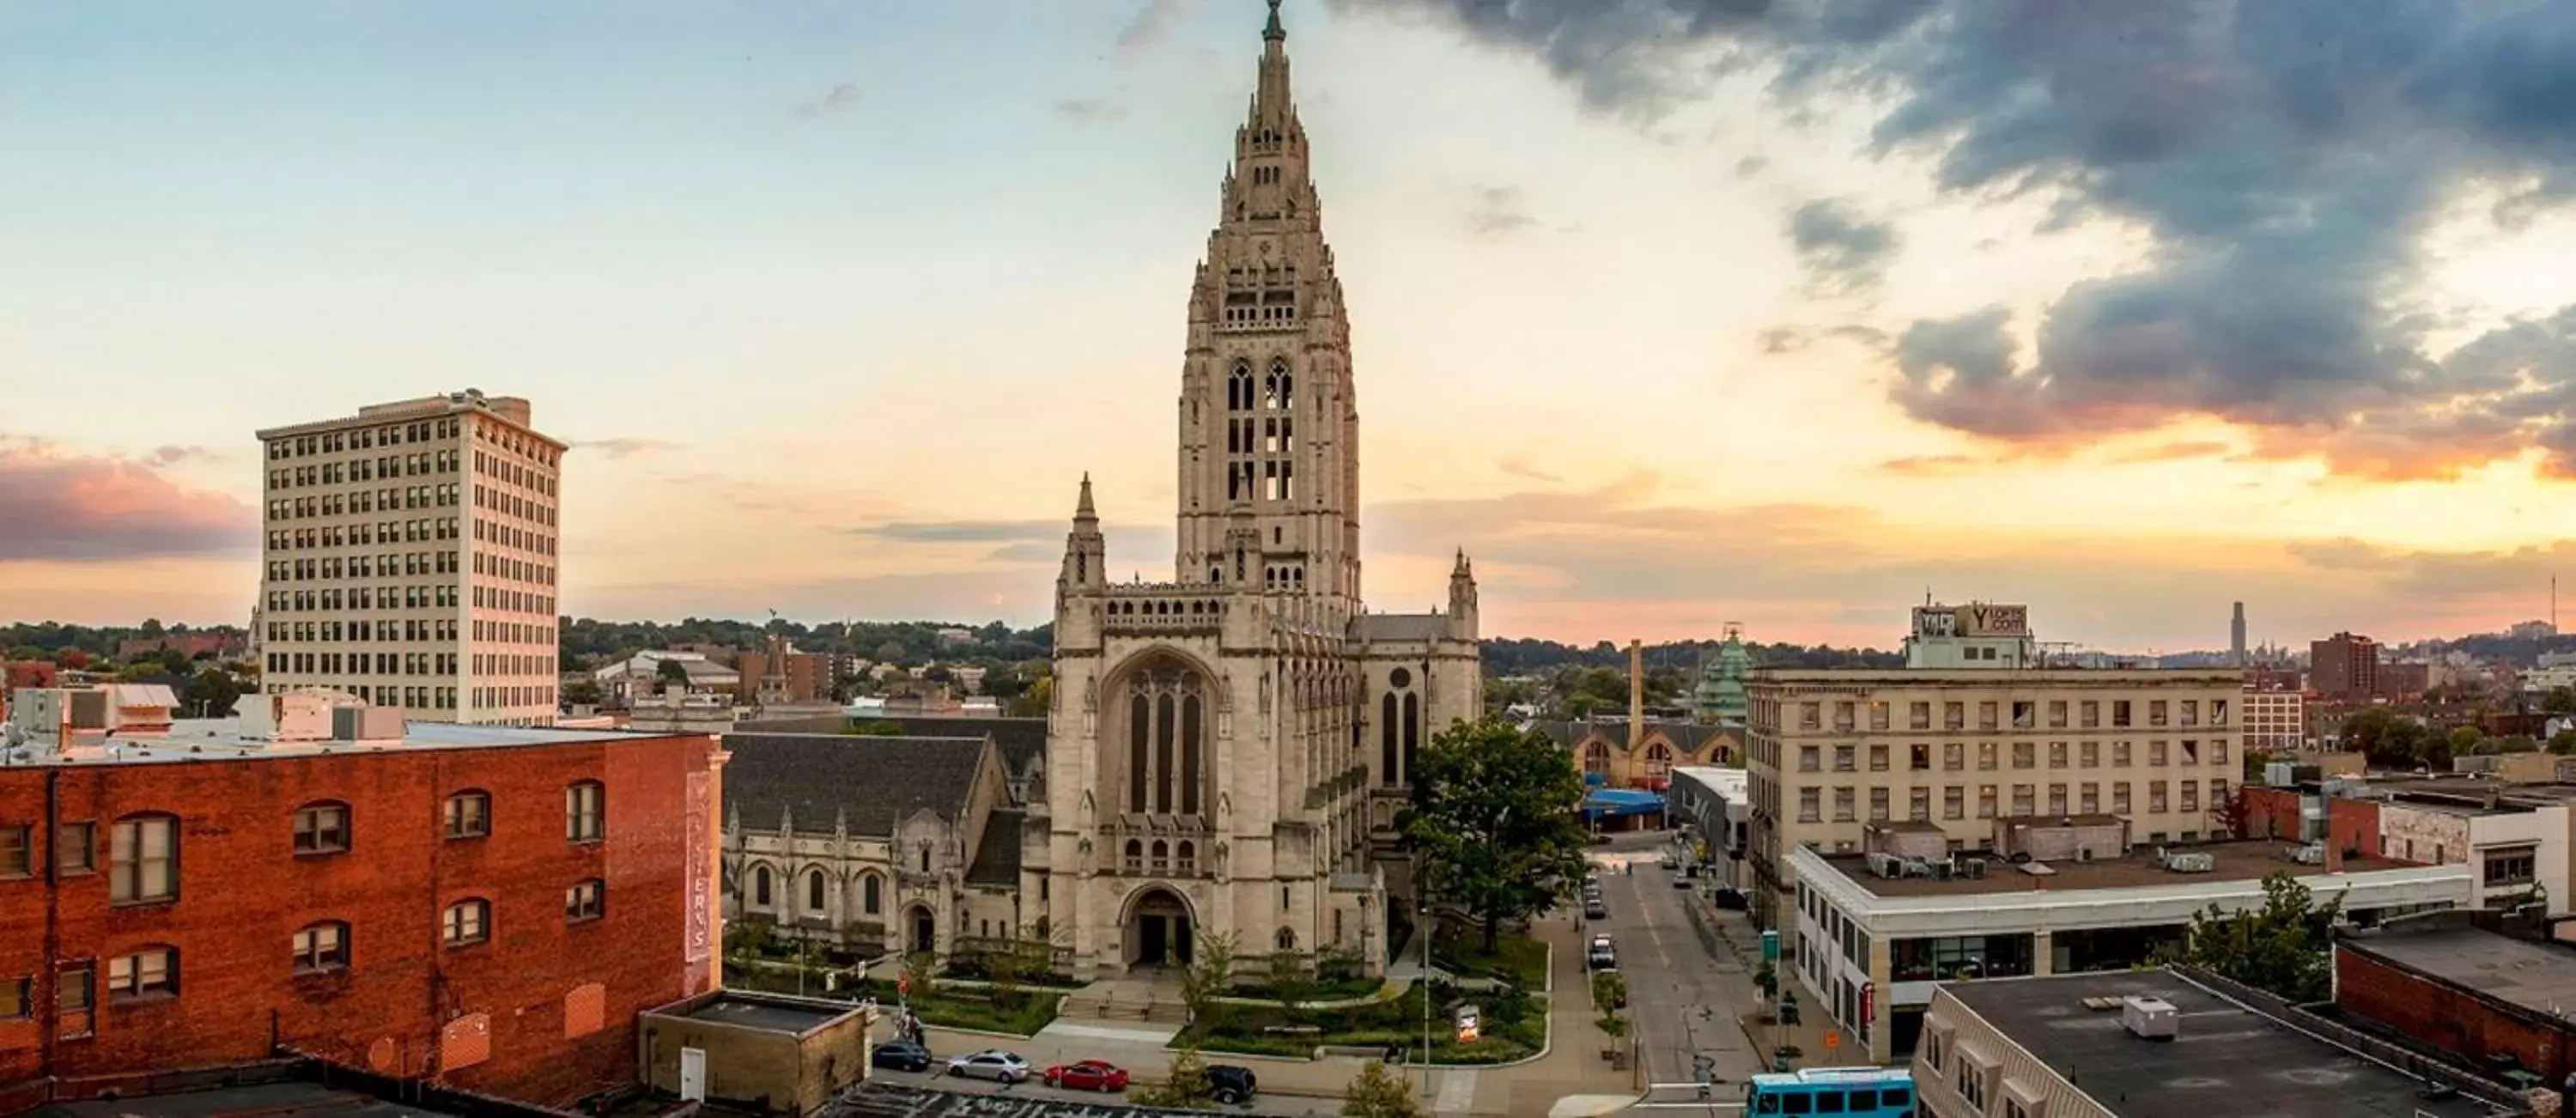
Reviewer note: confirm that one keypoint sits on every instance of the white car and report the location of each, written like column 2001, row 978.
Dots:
column 991, row 1063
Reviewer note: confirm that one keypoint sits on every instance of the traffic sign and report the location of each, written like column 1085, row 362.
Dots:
column 1833, row 1039
column 903, row 986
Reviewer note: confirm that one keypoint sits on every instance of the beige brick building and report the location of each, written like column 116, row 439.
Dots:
column 1835, row 750
column 411, row 560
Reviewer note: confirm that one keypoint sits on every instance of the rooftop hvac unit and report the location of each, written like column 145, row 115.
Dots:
column 1975, row 867
column 2313, row 854
column 2083, row 854
column 2149, row 1018
column 2191, row 863
column 1884, row 865
column 1917, row 867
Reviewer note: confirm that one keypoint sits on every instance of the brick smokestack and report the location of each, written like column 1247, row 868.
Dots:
column 1636, row 697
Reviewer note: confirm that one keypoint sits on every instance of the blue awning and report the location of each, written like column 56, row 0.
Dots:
column 1622, row 801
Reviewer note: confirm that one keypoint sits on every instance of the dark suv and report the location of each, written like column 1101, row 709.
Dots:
column 1230, row 1084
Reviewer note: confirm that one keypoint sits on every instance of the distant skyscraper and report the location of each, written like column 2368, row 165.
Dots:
column 2236, row 637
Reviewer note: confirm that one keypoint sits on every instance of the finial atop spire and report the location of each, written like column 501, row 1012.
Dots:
column 1272, row 31
column 1083, row 509
column 1461, row 568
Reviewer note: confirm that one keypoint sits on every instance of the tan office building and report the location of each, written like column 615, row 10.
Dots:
column 411, row 559
column 1834, row 750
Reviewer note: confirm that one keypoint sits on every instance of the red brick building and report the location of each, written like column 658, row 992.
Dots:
column 484, row 907
column 2344, row 666
column 2474, row 993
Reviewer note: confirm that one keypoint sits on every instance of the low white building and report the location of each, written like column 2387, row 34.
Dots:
column 1874, row 932
column 1717, row 804
column 640, row 675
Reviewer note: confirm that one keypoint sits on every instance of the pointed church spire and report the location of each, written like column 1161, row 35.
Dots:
column 1462, row 570
column 1270, row 102
column 1082, row 510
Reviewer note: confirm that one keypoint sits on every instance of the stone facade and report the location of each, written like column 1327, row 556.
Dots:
column 1226, row 749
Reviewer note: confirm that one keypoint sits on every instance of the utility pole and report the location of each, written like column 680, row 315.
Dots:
column 1422, row 914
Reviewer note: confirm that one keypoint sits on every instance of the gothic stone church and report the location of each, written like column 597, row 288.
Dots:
column 1226, row 751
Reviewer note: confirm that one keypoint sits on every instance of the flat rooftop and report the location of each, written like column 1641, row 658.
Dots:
column 225, row 739
column 2224, row 1060
column 775, row 1015
column 2245, row 860
column 2535, row 976
column 268, row 1100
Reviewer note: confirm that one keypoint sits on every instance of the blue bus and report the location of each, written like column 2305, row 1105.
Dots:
column 1851, row 1092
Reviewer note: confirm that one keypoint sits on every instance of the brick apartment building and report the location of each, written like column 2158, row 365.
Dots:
column 2344, row 666
column 2449, row 985
column 486, row 908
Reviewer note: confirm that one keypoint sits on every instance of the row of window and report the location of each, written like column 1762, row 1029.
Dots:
column 358, row 663
column 1991, row 713
column 143, row 851
column 514, row 473
column 512, row 601
column 511, row 535
column 2025, row 800
column 364, row 469
column 519, row 442
column 2025, row 755
column 363, row 438
column 386, row 565
column 363, row 534
column 512, row 504
column 413, row 629
column 364, row 501
column 152, row 973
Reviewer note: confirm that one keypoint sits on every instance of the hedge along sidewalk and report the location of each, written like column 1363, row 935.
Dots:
column 956, row 1015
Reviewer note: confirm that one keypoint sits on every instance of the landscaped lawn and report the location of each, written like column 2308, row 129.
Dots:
column 1343, row 989
column 1518, row 958
column 1514, row 1025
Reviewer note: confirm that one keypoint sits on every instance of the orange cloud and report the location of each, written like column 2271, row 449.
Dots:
column 83, row 508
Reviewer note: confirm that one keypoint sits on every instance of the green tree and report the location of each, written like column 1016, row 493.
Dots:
column 1033, row 701
column 1184, row 1086
column 671, row 671
column 1379, row 1093
column 29, row 652
column 891, row 652
column 2563, row 742
column 1291, row 981
column 921, row 968
column 937, row 673
column 1495, row 821
column 583, row 692
column 2464, row 740
column 211, row 693
column 1209, row 975
column 2559, row 700
column 2282, row 946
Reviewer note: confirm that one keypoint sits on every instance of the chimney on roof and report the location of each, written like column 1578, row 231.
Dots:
column 1636, row 696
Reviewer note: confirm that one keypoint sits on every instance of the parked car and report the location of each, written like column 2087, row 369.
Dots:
column 1681, row 881
column 901, row 1055
column 991, row 1063
column 1602, row 956
column 1088, row 1075
column 1230, row 1084
column 1593, row 909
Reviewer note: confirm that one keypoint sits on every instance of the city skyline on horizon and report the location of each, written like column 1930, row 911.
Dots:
column 752, row 267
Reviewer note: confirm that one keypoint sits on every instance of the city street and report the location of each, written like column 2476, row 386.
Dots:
column 1684, row 1002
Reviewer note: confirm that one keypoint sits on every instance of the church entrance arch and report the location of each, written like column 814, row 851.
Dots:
column 1158, row 930
column 924, row 929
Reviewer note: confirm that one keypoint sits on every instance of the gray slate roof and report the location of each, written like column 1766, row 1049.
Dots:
column 1402, row 626
column 1022, row 740
column 997, row 856
column 818, row 777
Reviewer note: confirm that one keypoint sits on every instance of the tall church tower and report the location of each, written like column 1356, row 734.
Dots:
column 1269, row 445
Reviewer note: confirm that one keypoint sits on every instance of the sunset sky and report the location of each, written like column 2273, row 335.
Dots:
column 1671, row 312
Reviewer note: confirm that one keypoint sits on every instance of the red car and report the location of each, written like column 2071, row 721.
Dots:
column 1089, row 1075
